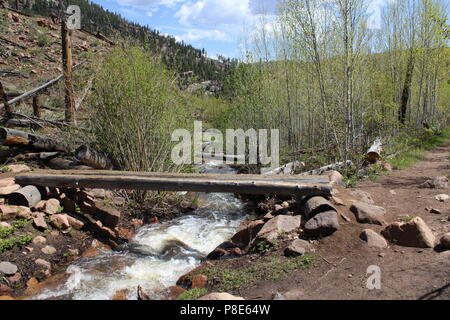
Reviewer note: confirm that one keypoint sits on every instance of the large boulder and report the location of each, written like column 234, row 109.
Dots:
column 415, row 233
column 297, row 248
column 362, row 196
column 373, row 239
column 445, row 241
column 322, row 224
column 368, row 213
column 108, row 215
column 245, row 236
column 277, row 226
column 51, row 206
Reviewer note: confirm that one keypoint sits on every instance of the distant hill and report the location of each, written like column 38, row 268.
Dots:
column 177, row 56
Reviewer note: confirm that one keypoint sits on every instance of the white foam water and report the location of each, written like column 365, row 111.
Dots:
column 161, row 254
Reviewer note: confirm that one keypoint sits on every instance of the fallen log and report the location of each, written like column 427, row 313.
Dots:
column 64, row 164
column 375, row 151
column 93, row 158
column 335, row 166
column 10, row 137
column 36, row 156
column 287, row 169
column 28, row 196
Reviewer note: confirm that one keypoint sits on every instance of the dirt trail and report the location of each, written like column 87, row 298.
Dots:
column 406, row 273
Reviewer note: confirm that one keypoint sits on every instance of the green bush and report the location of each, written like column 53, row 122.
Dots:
column 136, row 109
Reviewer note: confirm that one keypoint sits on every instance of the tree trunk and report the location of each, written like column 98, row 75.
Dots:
column 406, row 90
column 67, row 69
column 36, row 107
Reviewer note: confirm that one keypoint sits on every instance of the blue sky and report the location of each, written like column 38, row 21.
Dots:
column 216, row 25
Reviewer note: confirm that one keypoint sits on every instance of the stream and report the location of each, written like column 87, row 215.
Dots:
column 158, row 254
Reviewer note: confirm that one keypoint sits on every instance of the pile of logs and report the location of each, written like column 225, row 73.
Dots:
column 24, row 146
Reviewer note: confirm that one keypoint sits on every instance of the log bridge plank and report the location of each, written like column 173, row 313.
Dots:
column 244, row 184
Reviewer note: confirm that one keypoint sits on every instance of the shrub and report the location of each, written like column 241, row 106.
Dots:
column 136, row 109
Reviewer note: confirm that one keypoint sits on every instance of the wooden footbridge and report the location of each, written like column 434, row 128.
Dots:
column 242, row 184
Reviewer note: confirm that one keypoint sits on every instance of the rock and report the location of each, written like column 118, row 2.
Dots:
column 120, row 295
column 220, row 296
column 437, row 183
column 373, row 239
column 126, row 234
column 367, row 213
column 60, row 221
column 39, row 240
column 74, row 252
column 23, row 212
column 69, row 205
column 51, row 206
column 387, row 167
column 8, row 268
column 17, row 168
column 186, row 281
column 7, row 212
column 48, row 250
column 90, row 253
column 362, row 196
column 15, row 278
column 99, row 193
column 445, row 241
column 33, row 287
column 5, row 290
column 442, row 197
column 278, row 208
column 296, row 248
column 7, row 182
column 174, row 292
column 278, row 296
column 75, row 223
column 335, row 177
column 8, row 190
column 221, row 250
column 43, row 263
column 245, row 236
column 285, row 204
column 277, row 226
column 435, row 211
column 415, row 233
column 137, row 223
column 108, row 215
column 268, row 216
column 5, row 225
column 39, row 221
column 322, row 224
column 199, row 281
column 39, row 206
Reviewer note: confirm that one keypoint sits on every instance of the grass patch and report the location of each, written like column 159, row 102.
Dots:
column 406, row 219
column 416, row 148
column 268, row 268
column 8, row 244
column 193, row 294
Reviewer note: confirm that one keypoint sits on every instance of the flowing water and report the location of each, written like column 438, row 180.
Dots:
column 159, row 254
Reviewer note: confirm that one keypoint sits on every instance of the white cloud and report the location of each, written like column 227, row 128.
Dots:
column 211, row 13
column 195, row 35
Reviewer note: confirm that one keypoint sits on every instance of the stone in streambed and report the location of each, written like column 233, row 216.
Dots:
column 322, row 224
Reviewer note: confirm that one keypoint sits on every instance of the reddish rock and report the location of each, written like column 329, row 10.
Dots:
column 7, row 212
column 60, row 221
column 75, row 223
column 199, row 281
column 5, row 290
column 126, row 233
column 186, row 281
column 7, row 182
column 109, row 216
column 51, row 206
column 18, row 168
column 121, row 295
column 15, row 278
column 244, row 237
column 8, row 190
column 39, row 221
column 174, row 292
column 137, row 222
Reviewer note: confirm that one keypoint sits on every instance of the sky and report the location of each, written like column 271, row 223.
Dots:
column 215, row 25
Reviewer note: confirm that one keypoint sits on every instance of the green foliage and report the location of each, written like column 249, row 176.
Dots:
column 136, row 109
column 5, row 169
column 8, row 244
column 406, row 219
column 193, row 294
column 268, row 268
column 42, row 40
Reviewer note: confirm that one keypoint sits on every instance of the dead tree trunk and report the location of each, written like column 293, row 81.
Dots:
column 93, row 158
column 36, row 107
column 406, row 90
column 374, row 152
column 67, row 70
column 4, row 99
column 10, row 137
